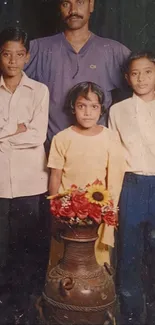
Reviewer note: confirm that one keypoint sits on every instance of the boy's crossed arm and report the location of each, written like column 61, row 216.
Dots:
column 21, row 127
column 36, row 130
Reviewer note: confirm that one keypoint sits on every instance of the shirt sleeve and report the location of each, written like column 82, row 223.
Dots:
column 7, row 127
column 122, row 55
column 112, row 124
column 37, row 128
column 116, row 64
column 116, row 168
column 57, row 153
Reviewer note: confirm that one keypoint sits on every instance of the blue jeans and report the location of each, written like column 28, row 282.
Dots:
column 136, row 248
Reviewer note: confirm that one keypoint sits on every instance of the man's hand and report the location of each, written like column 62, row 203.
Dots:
column 21, row 127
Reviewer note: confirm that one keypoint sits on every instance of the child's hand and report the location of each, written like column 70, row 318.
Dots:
column 21, row 127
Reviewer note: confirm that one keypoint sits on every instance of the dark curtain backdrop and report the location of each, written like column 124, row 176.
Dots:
column 132, row 22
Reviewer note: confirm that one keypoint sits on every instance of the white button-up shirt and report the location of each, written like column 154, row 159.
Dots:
column 133, row 121
column 23, row 169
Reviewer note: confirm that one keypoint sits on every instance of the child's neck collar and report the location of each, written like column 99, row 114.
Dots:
column 12, row 82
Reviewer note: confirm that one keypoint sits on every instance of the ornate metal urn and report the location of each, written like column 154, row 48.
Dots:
column 78, row 291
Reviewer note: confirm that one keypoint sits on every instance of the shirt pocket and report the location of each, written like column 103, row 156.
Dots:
column 25, row 111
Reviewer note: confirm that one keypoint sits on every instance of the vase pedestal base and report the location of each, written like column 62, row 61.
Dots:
column 50, row 315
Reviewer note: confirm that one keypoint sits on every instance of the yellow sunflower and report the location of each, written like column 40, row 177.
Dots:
column 98, row 195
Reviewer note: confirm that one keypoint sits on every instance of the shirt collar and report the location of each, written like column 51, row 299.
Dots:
column 84, row 48
column 25, row 81
column 138, row 102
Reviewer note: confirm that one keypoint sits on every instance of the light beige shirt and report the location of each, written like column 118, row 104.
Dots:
column 83, row 159
column 133, row 121
column 22, row 157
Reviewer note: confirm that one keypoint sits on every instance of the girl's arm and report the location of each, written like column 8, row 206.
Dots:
column 56, row 162
column 55, row 181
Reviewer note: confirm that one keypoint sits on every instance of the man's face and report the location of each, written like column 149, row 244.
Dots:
column 75, row 13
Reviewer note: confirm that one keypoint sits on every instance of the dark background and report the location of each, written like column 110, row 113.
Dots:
column 131, row 22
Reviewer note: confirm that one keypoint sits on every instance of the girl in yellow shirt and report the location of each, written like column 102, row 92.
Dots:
column 86, row 151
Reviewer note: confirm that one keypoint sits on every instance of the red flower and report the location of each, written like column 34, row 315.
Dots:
column 55, row 206
column 82, row 213
column 73, row 187
column 110, row 218
column 79, row 200
column 67, row 211
column 95, row 212
column 80, row 204
column 74, row 203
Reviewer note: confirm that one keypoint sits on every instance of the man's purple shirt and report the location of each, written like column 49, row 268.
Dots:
column 54, row 62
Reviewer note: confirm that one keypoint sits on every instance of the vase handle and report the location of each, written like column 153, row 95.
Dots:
column 66, row 284
column 109, row 269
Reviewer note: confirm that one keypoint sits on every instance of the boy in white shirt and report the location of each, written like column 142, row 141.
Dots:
column 23, row 175
column 133, row 121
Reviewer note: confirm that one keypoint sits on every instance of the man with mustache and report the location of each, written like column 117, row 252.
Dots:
column 76, row 55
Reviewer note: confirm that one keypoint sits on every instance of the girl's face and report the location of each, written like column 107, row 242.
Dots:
column 87, row 111
column 141, row 77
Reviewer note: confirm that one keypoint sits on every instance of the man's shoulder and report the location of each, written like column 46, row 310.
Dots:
column 48, row 41
column 107, row 42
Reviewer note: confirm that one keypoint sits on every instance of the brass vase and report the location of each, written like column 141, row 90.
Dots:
column 78, row 291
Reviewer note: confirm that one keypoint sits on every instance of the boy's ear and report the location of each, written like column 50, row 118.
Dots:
column 92, row 3
column 27, row 58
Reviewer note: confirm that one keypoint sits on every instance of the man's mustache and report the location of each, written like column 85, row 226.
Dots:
column 73, row 15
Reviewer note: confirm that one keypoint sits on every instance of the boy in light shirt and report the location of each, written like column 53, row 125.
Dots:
column 133, row 121
column 23, row 174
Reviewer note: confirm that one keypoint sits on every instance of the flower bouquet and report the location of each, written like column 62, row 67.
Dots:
column 84, row 206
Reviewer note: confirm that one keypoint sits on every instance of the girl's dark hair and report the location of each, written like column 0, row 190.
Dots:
column 138, row 55
column 83, row 89
column 14, row 34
